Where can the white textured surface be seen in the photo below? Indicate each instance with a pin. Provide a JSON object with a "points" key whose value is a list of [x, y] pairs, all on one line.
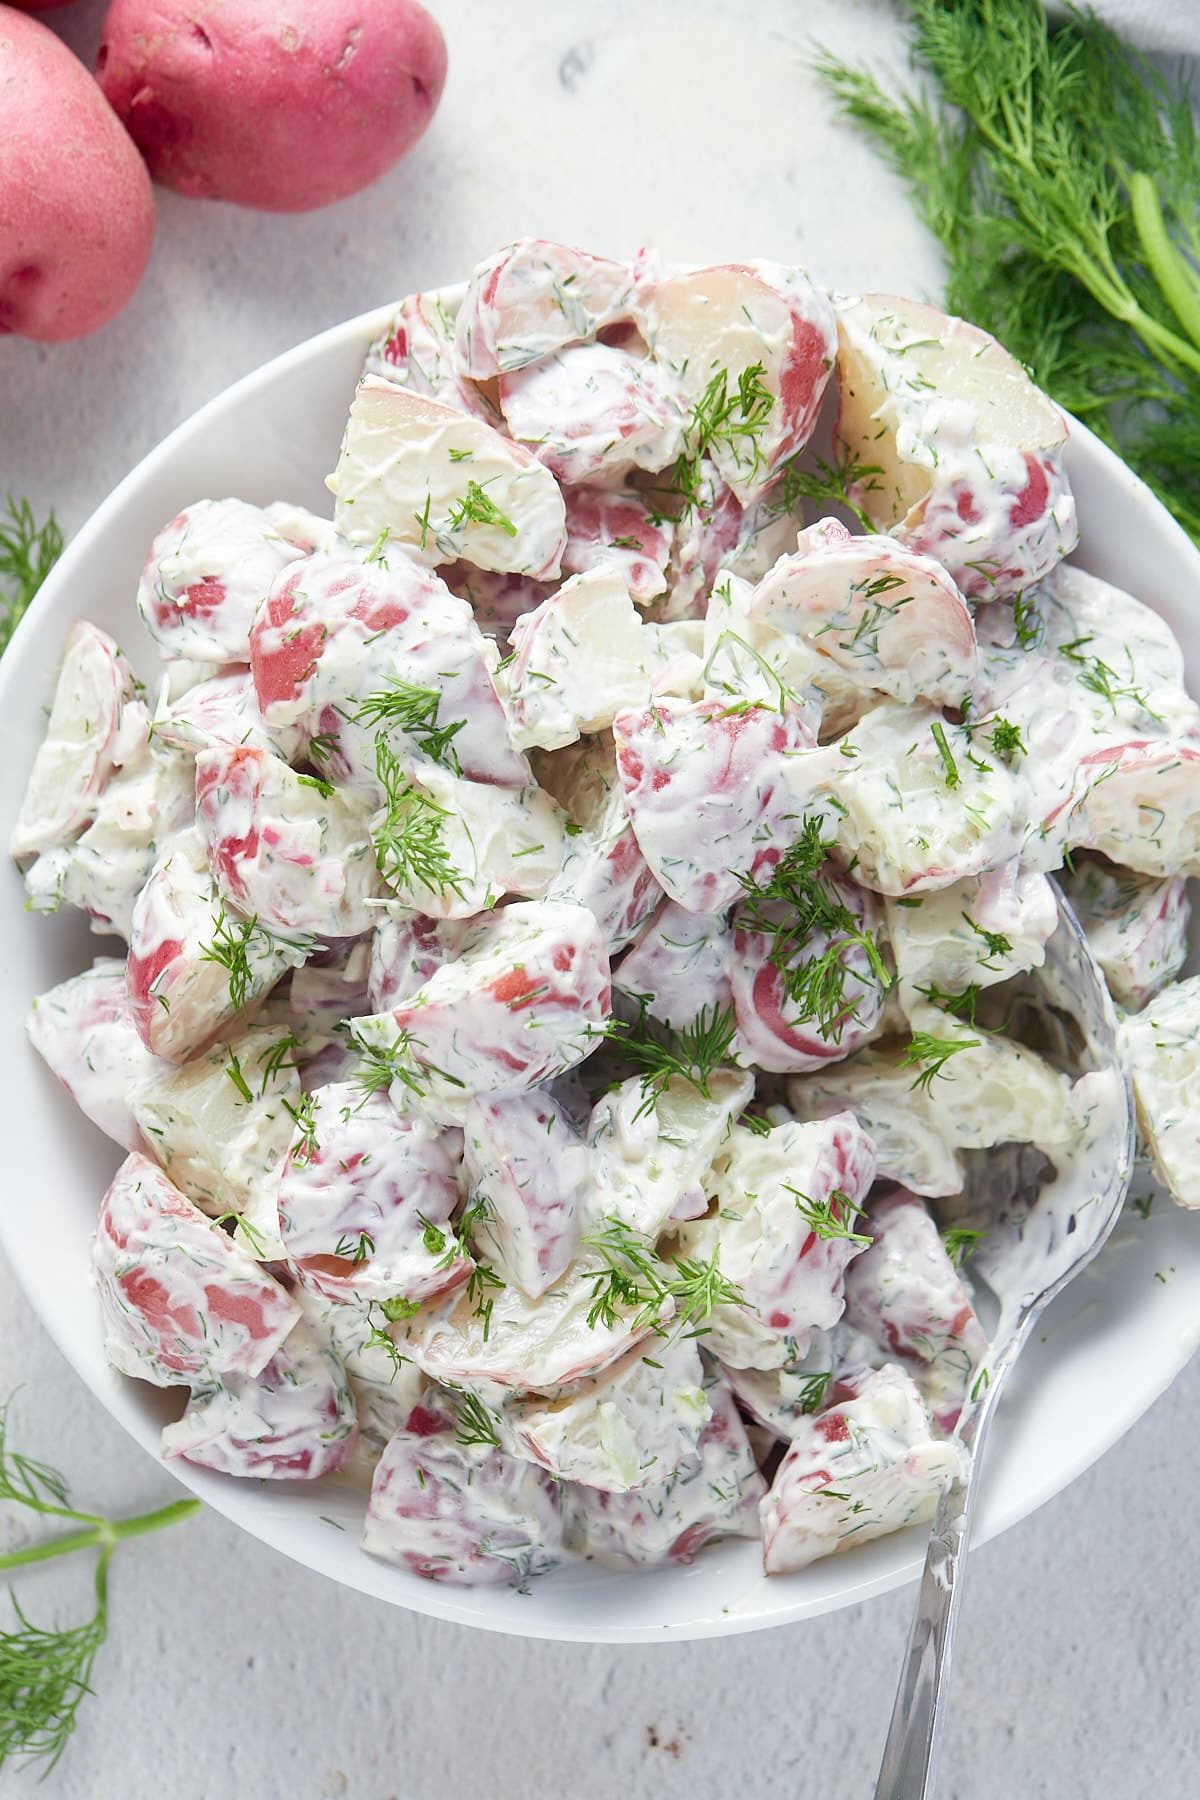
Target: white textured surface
{"points": [[229, 1671]]}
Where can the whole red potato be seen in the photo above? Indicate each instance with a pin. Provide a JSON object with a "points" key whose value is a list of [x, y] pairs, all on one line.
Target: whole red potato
{"points": [[283, 105], [76, 206]]}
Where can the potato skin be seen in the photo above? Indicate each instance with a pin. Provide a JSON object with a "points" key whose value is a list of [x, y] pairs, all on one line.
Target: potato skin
{"points": [[281, 106], [76, 205]]}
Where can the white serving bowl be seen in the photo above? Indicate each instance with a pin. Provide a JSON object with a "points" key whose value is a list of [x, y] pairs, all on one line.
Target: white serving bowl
{"points": [[1105, 1352]]}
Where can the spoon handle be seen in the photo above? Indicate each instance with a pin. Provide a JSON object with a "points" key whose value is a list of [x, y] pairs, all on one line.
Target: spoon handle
{"points": [[910, 1756]]}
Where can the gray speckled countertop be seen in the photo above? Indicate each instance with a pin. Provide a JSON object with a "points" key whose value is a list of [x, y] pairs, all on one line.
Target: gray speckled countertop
{"points": [[232, 1674]]}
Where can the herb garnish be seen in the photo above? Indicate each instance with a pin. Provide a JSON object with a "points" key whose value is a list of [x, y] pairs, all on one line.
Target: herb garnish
{"points": [[45, 1672], [475, 1423], [831, 1217], [476, 507], [304, 1117], [405, 706], [1006, 740], [236, 941], [933, 1054], [826, 484], [960, 1241], [949, 766], [408, 837], [692, 1055], [28, 552], [814, 1389], [686, 1291], [720, 417], [480, 1291], [797, 903], [379, 1065]]}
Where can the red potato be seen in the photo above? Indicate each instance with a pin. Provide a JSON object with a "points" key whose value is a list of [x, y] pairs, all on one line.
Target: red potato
{"points": [[889, 618], [613, 529], [707, 792], [533, 297], [714, 1494], [464, 1515], [773, 1032], [863, 1468], [964, 453], [763, 323], [75, 760], [906, 1294], [179, 997], [365, 1202], [183, 1305], [76, 206], [83, 1029], [293, 1421], [282, 108]]}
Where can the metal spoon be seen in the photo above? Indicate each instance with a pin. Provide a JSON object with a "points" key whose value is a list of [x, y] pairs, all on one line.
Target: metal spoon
{"points": [[1042, 1238]]}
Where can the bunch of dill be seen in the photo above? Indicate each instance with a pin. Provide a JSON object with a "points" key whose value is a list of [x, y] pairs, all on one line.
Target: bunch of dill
{"points": [[1060, 172], [28, 552]]}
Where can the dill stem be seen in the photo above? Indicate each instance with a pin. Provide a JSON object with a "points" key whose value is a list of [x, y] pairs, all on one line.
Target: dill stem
{"points": [[102, 1533], [1173, 274]]}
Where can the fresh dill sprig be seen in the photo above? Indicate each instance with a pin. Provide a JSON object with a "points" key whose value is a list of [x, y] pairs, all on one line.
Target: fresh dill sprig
{"points": [[1059, 169], [379, 1065], [236, 943], [813, 1390], [45, 1671], [1006, 739], [304, 1117], [686, 1291], [996, 942], [321, 747], [476, 507], [692, 1055], [274, 1060], [796, 904], [931, 1054], [233, 1069], [375, 553], [482, 1284], [1028, 624], [698, 1288], [394, 1311], [28, 552], [829, 1218], [412, 709], [960, 1242], [477, 1209], [409, 846], [475, 1423], [251, 1233], [949, 767], [353, 1249], [734, 419], [1098, 678], [825, 484], [959, 1006]]}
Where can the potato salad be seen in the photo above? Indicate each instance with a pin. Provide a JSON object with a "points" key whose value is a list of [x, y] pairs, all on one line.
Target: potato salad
{"points": [[562, 913]]}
